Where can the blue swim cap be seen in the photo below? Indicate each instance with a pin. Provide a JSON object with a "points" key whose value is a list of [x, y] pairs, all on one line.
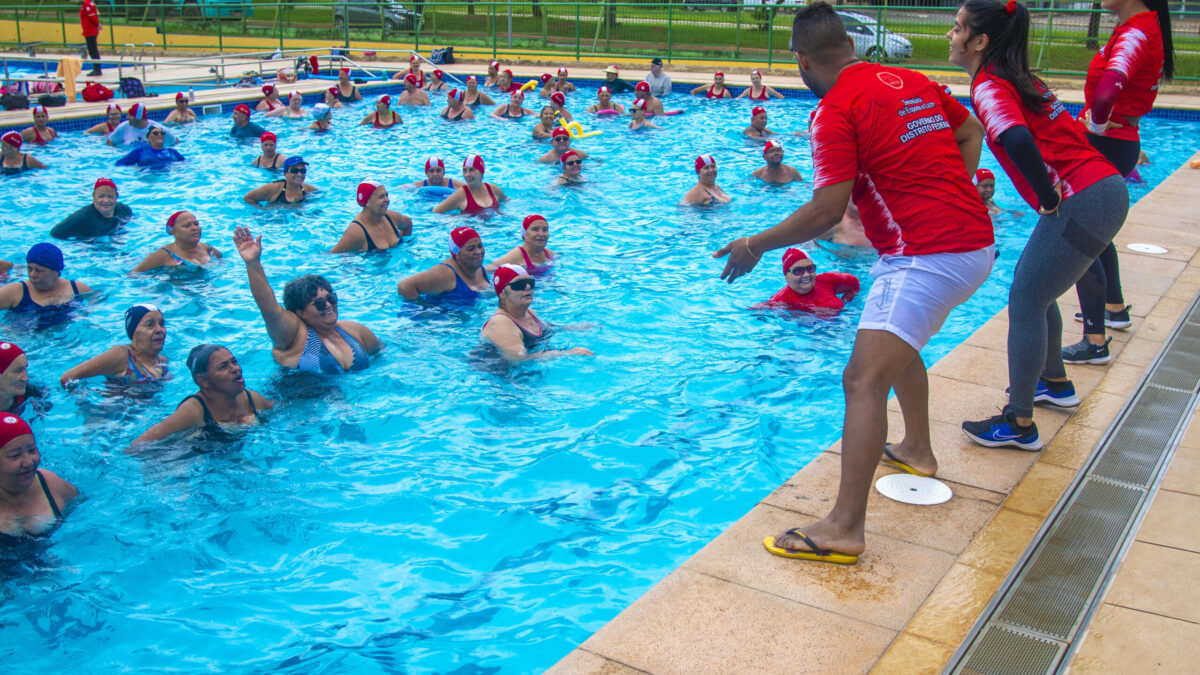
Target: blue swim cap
{"points": [[134, 316], [46, 255], [293, 161]]}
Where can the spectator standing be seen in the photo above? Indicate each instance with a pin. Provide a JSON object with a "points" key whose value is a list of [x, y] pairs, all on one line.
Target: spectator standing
{"points": [[89, 21], [660, 82]]}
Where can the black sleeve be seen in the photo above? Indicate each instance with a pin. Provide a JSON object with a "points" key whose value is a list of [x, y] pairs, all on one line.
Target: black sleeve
{"points": [[1024, 153], [86, 222], [123, 213]]}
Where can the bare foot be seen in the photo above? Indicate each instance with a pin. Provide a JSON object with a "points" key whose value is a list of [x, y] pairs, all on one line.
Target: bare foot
{"points": [[826, 536], [920, 459]]}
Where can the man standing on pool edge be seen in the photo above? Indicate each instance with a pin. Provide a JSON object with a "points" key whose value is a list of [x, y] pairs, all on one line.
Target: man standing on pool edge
{"points": [[919, 148]]}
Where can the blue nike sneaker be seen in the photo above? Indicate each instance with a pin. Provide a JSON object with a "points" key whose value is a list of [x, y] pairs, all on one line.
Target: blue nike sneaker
{"points": [[1059, 394], [1003, 431]]}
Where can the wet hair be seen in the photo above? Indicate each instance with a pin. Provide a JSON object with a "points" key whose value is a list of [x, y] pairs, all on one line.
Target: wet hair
{"points": [[1160, 8], [817, 29], [301, 291], [1007, 51]]}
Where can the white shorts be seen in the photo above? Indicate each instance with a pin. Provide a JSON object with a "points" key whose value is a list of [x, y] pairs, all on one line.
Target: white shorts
{"points": [[911, 295]]}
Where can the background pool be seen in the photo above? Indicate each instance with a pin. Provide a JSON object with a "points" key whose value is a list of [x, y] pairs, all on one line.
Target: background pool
{"points": [[429, 514]]}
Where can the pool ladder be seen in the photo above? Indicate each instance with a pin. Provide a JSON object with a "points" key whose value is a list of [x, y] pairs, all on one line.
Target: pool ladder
{"points": [[139, 57]]}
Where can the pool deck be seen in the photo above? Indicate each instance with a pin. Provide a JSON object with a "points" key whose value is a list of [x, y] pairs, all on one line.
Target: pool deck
{"points": [[928, 572]]}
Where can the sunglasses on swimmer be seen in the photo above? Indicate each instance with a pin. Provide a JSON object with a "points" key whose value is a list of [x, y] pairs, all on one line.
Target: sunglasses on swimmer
{"points": [[572, 162], [522, 284], [319, 304], [801, 270], [298, 169]]}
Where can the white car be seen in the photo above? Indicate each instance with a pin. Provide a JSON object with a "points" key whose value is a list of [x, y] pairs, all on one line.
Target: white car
{"points": [[869, 37]]}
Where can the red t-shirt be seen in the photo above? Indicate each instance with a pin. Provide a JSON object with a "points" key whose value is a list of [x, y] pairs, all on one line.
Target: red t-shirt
{"points": [[89, 18], [891, 131], [823, 299], [1068, 156], [1136, 51]]}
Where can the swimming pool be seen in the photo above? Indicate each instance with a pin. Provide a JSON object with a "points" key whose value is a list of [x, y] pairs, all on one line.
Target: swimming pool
{"points": [[429, 514]]}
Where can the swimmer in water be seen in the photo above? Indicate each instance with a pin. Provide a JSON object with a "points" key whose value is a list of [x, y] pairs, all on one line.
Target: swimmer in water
{"points": [[16, 393], [412, 94], [32, 500], [493, 74], [139, 362], [847, 239], [515, 330], [99, 218], [473, 96], [561, 83], [572, 169], [152, 153], [331, 98], [222, 400], [706, 191], [45, 288], [383, 116], [347, 91], [459, 278], [436, 81], [435, 175], [757, 91], [654, 104], [560, 142], [322, 117], [532, 254], [375, 228], [557, 101], [182, 114], [305, 332], [294, 109], [475, 196], [242, 126], [715, 90], [824, 295], [639, 121], [758, 124], [269, 159], [456, 110], [604, 102], [39, 132], [291, 190], [12, 160], [546, 124], [776, 172], [186, 250], [985, 183], [134, 129], [505, 84], [414, 71], [270, 99], [512, 110], [108, 126]]}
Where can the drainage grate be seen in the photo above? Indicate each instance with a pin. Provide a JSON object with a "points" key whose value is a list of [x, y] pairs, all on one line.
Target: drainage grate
{"points": [[1034, 622]]}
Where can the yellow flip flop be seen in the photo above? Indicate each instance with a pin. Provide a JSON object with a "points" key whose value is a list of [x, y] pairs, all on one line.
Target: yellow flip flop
{"points": [[892, 460], [815, 553]]}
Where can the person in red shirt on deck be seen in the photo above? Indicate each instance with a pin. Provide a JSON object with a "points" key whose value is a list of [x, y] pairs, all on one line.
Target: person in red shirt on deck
{"points": [[89, 21], [822, 294], [1079, 195], [904, 150], [1122, 83]]}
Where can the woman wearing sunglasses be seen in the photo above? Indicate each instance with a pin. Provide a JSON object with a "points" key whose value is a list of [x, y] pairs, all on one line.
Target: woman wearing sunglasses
{"points": [[515, 330], [153, 153], [305, 332], [572, 169], [291, 190], [821, 294]]}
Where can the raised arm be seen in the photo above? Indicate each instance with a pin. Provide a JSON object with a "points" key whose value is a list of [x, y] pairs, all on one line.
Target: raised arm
{"points": [[110, 362], [282, 325]]}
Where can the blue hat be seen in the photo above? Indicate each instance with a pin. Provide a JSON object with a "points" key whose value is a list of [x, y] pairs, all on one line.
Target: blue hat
{"points": [[293, 161], [319, 111], [135, 314], [46, 255]]}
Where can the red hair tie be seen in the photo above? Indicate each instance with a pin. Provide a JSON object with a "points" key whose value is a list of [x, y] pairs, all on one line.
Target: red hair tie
{"points": [[1010, 7]]}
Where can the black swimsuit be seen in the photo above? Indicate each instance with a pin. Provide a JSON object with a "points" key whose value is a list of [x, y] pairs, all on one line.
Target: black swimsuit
{"points": [[508, 112], [273, 161], [371, 244], [347, 99], [211, 425], [282, 198], [13, 170], [49, 497]]}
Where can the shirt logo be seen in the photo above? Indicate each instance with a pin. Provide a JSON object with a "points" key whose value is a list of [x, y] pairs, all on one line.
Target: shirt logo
{"points": [[890, 80]]}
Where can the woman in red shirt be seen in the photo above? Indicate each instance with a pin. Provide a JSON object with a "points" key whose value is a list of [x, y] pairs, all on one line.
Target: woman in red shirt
{"points": [[821, 294]]}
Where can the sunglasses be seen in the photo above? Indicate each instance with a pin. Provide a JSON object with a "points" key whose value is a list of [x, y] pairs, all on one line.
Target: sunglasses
{"points": [[319, 304], [802, 270], [572, 162], [522, 284], [298, 170], [562, 139]]}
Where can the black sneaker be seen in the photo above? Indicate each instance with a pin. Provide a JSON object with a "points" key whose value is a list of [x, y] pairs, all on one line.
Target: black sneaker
{"points": [[1003, 431], [1086, 352], [1118, 320]]}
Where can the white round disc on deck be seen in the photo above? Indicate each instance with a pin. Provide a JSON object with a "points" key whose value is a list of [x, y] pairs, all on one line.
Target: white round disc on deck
{"points": [[1146, 248], [909, 489]]}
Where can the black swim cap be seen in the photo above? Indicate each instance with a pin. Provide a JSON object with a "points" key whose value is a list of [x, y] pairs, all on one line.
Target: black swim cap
{"points": [[197, 360]]}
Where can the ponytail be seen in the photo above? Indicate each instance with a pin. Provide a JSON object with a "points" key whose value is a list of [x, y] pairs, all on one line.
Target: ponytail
{"points": [[1006, 24], [1160, 8]]}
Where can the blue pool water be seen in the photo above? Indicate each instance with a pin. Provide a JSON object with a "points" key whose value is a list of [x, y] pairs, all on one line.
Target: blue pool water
{"points": [[429, 514]]}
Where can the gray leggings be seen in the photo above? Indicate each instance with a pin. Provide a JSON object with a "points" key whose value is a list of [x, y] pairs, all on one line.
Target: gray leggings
{"points": [[1059, 251]]}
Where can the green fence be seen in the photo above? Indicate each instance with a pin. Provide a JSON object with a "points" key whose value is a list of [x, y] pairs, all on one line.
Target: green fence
{"points": [[1062, 40]]}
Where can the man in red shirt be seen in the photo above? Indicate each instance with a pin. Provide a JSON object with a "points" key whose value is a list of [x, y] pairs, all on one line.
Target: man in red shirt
{"points": [[905, 151], [821, 294], [89, 21]]}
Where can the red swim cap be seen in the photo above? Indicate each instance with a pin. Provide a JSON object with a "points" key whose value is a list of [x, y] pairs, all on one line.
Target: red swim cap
{"points": [[413, 58], [562, 70], [474, 161], [365, 190], [757, 109], [718, 74], [434, 160], [559, 98], [242, 108], [437, 72], [12, 427], [472, 78], [267, 89], [411, 79], [567, 155], [344, 70], [8, 353], [770, 146], [385, 99], [531, 219], [173, 218], [40, 109], [703, 161], [101, 182], [508, 72], [495, 64], [504, 275], [455, 95], [13, 138], [755, 72], [546, 77], [604, 89], [137, 111], [791, 257], [180, 96], [559, 131], [640, 103], [984, 174], [266, 136], [334, 90], [642, 86], [459, 237], [112, 107]]}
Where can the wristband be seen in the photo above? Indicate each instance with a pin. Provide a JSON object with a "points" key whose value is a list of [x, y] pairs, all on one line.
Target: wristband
{"points": [[747, 242], [1097, 129]]}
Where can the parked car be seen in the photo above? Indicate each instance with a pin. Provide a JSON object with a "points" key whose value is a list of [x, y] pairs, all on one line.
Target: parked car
{"points": [[188, 9], [870, 38], [392, 16]]}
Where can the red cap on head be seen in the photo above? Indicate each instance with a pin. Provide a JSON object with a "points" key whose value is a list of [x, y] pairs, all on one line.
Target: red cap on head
{"points": [[504, 275], [718, 74], [455, 95], [474, 161], [11, 427], [559, 98], [414, 59], [9, 353], [266, 136], [333, 90], [559, 131], [384, 99], [642, 86], [568, 155], [113, 106], [180, 96], [757, 109], [137, 111], [703, 161], [495, 64], [411, 79], [437, 72], [459, 237], [562, 71], [40, 109], [984, 174], [434, 160], [519, 94], [102, 182], [173, 218], [472, 78], [365, 190], [531, 219], [268, 88], [344, 71], [791, 257], [546, 77], [640, 104], [604, 89], [771, 145], [242, 108], [507, 72], [13, 138], [756, 72]]}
